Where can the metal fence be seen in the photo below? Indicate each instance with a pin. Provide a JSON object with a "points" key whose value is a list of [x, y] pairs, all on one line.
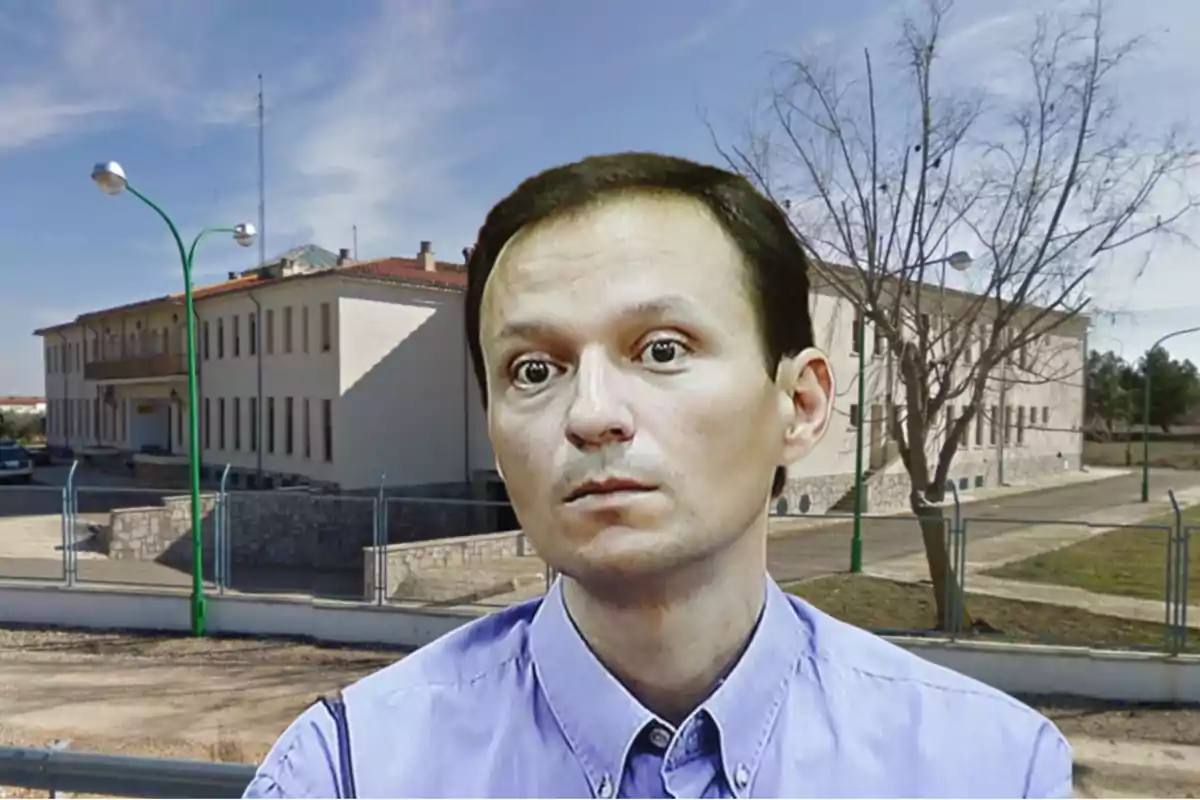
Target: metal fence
{"points": [[382, 548], [59, 770]]}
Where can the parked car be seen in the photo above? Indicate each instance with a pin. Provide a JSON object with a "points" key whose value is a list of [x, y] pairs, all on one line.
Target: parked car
{"points": [[39, 455], [16, 464]]}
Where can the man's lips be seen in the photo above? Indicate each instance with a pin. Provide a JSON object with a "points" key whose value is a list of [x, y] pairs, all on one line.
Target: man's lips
{"points": [[606, 486]]}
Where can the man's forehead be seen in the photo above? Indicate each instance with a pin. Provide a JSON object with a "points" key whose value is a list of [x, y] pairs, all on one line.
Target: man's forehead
{"points": [[623, 234]]}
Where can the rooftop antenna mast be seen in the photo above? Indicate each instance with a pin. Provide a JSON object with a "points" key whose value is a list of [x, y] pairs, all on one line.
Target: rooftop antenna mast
{"points": [[262, 181], [354, 230]]}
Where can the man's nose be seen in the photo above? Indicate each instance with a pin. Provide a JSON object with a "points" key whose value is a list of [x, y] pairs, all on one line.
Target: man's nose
{"points": [[599, 415]]}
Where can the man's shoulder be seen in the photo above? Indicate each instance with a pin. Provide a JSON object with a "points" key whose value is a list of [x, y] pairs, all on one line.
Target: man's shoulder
{"points": [[465, 657], [863, 658], [455, 681], [886, 693]]}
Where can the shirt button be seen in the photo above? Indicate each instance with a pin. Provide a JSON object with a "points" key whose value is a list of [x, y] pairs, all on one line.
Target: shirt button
{"points": [[659, 737], [604, 790], [741, 776]]}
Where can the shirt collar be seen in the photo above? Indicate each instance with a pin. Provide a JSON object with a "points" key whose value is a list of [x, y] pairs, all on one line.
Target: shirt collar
{"points": [[600, 719]]}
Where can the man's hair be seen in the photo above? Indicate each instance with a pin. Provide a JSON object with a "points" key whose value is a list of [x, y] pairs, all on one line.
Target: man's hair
{"points": [[776, 267]]}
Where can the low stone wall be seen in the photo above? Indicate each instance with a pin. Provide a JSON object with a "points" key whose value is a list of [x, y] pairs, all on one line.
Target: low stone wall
{"points": [[403, 560], [888, 492], [290, 529]]}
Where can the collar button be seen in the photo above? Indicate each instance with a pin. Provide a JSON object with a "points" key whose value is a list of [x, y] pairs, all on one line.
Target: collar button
{"points": [[604, 790], [741, 776], [660, 738]]}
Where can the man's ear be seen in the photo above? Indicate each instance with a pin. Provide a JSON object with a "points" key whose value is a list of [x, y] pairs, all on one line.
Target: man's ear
{"points": [[806, 392]]}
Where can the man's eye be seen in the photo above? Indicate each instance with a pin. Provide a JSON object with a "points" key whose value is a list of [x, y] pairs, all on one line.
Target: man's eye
{"points": [[662, 352], [532, 372]]}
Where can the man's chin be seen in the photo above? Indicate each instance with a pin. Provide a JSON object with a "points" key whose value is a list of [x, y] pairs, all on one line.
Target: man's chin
{"points": [[628, 554]]}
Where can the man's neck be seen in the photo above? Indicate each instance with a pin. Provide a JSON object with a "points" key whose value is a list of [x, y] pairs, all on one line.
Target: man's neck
{"points": [[671, 648]]}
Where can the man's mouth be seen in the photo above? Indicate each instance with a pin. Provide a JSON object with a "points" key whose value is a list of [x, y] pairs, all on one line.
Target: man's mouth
{"points": [[607, 487]]}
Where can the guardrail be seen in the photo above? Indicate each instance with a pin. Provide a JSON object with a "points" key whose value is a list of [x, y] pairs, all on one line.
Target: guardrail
{"points": [[120, 776]]}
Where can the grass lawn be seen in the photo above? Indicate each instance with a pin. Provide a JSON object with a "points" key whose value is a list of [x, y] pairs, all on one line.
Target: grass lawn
{"points": [[1129, 561], [887, 606], [1176, 455]]}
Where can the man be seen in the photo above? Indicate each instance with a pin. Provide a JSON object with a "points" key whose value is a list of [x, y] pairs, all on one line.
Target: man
{"points": [[640, 327]]}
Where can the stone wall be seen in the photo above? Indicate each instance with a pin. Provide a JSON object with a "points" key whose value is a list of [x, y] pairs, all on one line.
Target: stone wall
{"points": [[888, 492], [401, 561], [292, 529]]}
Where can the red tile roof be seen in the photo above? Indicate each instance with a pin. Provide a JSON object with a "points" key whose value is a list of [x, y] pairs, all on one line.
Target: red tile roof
{"points": [[390, 270], [17, 400]]}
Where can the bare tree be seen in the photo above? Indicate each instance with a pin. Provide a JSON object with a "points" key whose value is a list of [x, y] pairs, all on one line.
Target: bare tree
{"points": [[1038, 184]]}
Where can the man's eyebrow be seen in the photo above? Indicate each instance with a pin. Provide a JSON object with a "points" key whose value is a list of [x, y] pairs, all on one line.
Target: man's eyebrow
{"points": [[657, 308]]}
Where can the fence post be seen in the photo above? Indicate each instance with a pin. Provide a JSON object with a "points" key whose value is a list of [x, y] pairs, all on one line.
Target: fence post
{"points": [[381, 542], [955, 601], [221, 534], [71, 505], [1176, 573]]}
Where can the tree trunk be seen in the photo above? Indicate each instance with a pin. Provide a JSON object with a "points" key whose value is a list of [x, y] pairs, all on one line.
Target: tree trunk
{"points": [[935, 529]]}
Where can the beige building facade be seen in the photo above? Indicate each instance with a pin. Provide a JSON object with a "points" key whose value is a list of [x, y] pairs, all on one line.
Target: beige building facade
{"points": [[353, 375]]}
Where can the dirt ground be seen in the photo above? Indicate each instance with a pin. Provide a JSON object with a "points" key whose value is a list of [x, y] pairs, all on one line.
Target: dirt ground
{"points": [[228, 699], [216, 699]]}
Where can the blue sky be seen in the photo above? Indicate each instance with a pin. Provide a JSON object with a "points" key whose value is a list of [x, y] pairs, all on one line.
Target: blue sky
{"points": [[410, 119]]}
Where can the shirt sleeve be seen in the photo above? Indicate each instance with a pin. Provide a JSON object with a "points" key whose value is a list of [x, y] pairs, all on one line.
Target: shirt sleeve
{"points": [[1051, 771], [302, 761]]}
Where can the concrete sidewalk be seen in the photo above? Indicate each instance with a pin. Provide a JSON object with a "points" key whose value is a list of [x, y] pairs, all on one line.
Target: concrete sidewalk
{"points": [[984, 554]]}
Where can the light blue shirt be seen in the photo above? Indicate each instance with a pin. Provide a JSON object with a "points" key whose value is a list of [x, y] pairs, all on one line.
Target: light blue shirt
{"points": [[516, 705]]}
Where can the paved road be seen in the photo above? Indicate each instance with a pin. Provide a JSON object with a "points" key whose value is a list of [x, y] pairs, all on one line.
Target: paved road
{"points": [[826, 549]]}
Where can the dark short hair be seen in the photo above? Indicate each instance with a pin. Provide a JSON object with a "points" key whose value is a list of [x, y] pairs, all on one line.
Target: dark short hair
{"points": [[777, 268]]}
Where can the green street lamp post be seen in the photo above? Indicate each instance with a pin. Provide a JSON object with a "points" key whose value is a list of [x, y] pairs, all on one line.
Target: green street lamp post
{"points": [[959, 261], [110, 177], [1146, 413]]}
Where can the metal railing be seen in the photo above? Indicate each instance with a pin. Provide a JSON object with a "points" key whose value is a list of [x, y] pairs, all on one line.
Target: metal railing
{"points": [[60, 770], [362, 548]]}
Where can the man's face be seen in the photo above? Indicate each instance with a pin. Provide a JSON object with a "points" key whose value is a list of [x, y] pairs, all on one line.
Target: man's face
{"points": [[630, 410]]}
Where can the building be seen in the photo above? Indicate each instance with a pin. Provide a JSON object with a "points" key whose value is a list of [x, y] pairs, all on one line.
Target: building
{"points": [[312, 369], [1030, 426], [14, 404], [317, 369]]}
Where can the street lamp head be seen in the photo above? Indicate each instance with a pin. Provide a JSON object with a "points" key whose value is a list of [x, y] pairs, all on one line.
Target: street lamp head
{"points": [[960, 260], [109, 176], [244, 234]]}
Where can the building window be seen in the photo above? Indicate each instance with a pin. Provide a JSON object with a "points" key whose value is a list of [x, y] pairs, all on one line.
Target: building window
{"points": [[327, 428], [1032, 416], [220, 337], [304, 328], [979, 428], [207, 425], [237, 423], [307, 428], [995, 420], [252, 331], [237, 336], [289, 426], [1020, 424], [950, 418], [253, 424], [856, 336], [270, 331], [326, 329], [287, 329], [270, 424], [854, 415], [221, 423], [206, 340], [1045, 416], [1008, 424], [179, 425]]}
